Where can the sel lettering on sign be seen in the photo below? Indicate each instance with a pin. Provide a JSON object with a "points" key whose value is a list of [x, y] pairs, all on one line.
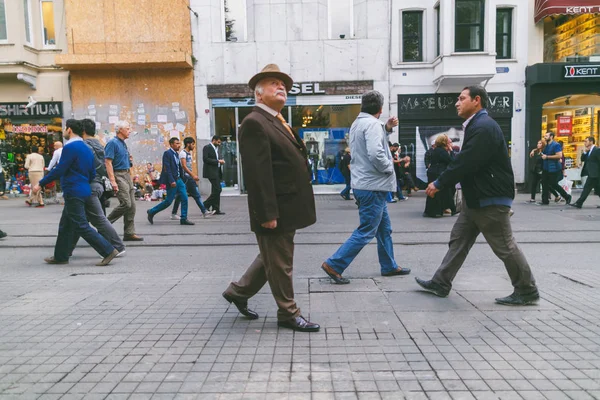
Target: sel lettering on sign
{"points": [[306, 88]]}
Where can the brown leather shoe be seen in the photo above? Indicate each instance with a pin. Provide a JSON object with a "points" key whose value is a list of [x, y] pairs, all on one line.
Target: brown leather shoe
{"points": [[337, 278], [241, 305], [132, 238], [299, 324], [51, 260]]}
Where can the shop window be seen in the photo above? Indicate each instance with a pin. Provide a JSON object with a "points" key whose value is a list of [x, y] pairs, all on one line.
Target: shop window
{"points": [[225, 127], [3, 28], [570, 38], [27, 15], [48, 32], [340, 17], [504, 33], [412, 36], [438, 27], [235, 20], [469, 27]]}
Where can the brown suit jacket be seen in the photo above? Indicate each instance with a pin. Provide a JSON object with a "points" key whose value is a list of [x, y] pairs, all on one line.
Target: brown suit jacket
{"points": [[276, 175]]}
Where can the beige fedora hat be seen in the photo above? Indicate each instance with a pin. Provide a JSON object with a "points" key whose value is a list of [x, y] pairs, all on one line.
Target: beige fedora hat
{"points": [[271, 70]]}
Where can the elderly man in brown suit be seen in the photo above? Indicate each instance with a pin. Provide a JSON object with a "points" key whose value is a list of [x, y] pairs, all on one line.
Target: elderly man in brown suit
{"points": [[280, 199]]}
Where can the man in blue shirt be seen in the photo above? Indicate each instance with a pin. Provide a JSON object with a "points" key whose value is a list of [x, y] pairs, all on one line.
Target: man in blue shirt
{"points": [[118, 162], [171, 176], [552, 170], [76, 171]]}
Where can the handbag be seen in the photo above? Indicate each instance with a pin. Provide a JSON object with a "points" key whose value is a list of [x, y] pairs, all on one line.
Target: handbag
{"points": [[107, 186]]}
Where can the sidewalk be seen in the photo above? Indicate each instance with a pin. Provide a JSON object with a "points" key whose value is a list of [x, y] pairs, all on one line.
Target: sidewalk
{"points": [[153, 324]]}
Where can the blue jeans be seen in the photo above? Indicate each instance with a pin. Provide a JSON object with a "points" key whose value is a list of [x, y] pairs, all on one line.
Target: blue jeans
{"points": [[374, 222], [346, 192], [178, 190], [74, 222], [192, 190]]}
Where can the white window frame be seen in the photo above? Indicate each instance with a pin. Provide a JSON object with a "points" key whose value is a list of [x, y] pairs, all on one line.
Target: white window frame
{"points": [[5, 19], [29, 26], [223, 34], [351, 33], [44, 45]]}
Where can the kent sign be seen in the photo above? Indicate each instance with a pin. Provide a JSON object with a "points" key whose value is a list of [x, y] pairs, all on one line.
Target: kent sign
{"points": [[582, 71], [583, 9]]}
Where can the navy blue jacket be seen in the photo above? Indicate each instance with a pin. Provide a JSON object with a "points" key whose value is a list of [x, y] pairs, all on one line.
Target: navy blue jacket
{"points": [[483, 166], [75, 170], [170, 167]]}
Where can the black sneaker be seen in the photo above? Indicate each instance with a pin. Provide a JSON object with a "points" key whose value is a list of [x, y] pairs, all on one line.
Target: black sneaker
{"points": [[432, 287], [568, 199], [2, 234], [575, 205], [150, 217], [517, 299]]}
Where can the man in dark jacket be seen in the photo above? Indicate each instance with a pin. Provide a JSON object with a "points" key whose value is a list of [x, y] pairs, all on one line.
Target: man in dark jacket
{"points": [[211, 170], [591, 168], [484, 171], [280, 199], [345, 170]]}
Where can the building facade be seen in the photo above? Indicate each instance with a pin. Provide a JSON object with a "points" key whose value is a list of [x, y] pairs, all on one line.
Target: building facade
{"points": [[563, 77], [132, 60], [34, 91]]}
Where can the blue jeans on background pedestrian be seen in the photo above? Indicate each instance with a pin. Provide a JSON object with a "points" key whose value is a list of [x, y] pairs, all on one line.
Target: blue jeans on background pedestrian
{"points": [[374, 222], [178, 190], [192, 190], [73, 221], [399, 184], [346, 192]]}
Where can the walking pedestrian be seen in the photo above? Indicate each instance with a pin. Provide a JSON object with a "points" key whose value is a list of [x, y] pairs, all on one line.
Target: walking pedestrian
{"points": [[118, 163], [58, 146], [439, 160], [591, 168], [398, 171], [94, 208], [535, 169], [345, 161], [211, 170], [35, 164], [76, 171], [280, 199], [172, 177], [552, 170], [373, 178], [485, 173], [190, 179]]}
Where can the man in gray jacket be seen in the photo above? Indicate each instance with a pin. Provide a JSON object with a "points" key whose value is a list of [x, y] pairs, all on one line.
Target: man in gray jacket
{"points": [[372, 177], [94, 210]]}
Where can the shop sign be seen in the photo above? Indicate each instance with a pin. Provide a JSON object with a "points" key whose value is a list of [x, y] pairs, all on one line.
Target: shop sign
{"points": [[441, 106], [306, 88], [564, 125], [582, 71], [30, 129], [20, 110]]}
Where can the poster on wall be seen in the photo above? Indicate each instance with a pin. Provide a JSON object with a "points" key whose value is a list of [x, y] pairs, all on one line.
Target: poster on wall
{"points": [[564, 125], [425, 137]]}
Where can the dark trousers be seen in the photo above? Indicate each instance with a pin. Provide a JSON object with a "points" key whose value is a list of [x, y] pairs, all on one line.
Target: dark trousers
{"points": [[494, 223], [74, 222], [408, 181], [178, 190], [214, 200], [550, 182], [346, 192], [590, 183], [192, 190], [95, 213], [274, 264], [535, 180]]}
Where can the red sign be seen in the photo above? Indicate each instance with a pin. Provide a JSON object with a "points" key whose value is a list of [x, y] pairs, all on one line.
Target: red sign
{"points": [[544, 8], [564, 125]]}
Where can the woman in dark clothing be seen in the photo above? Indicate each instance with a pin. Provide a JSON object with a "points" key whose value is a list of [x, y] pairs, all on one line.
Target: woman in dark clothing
{"points": [[535, 169], [345, 170], [440, 159]]}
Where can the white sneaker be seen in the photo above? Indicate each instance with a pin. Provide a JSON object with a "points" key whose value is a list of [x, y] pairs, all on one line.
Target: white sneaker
{"points": [[209, 213], [121, 253], [175, 217]]}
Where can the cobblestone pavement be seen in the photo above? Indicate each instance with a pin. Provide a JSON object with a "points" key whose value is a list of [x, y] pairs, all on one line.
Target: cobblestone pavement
{"points": [[153, 325]]}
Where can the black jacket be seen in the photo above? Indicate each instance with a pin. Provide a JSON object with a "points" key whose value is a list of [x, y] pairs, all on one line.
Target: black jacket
{"points": [[344, 163], [536, 163], [211, 169], [591, 167], [99, 164], [482, 167], [439, 161]]}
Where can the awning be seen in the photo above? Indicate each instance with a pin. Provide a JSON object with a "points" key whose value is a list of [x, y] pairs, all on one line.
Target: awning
{"points": [[544, 8]]}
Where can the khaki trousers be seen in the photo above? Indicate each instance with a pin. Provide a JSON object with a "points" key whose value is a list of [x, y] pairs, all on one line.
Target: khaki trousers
{"points": [[274, 264], [494, 223], [34, 178], [126, 207]]}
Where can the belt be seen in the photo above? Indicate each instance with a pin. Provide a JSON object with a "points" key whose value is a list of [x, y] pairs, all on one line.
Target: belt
{"points": [[121, 170]]}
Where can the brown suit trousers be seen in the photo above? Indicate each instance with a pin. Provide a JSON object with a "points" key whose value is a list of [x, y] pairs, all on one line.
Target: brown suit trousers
{"points": [[494, 223], [274, 264]]}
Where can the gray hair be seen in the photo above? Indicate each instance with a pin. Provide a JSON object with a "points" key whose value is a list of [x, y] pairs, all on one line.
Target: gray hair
{"points": [[121, 124], [372, 102], [258, 89]]}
